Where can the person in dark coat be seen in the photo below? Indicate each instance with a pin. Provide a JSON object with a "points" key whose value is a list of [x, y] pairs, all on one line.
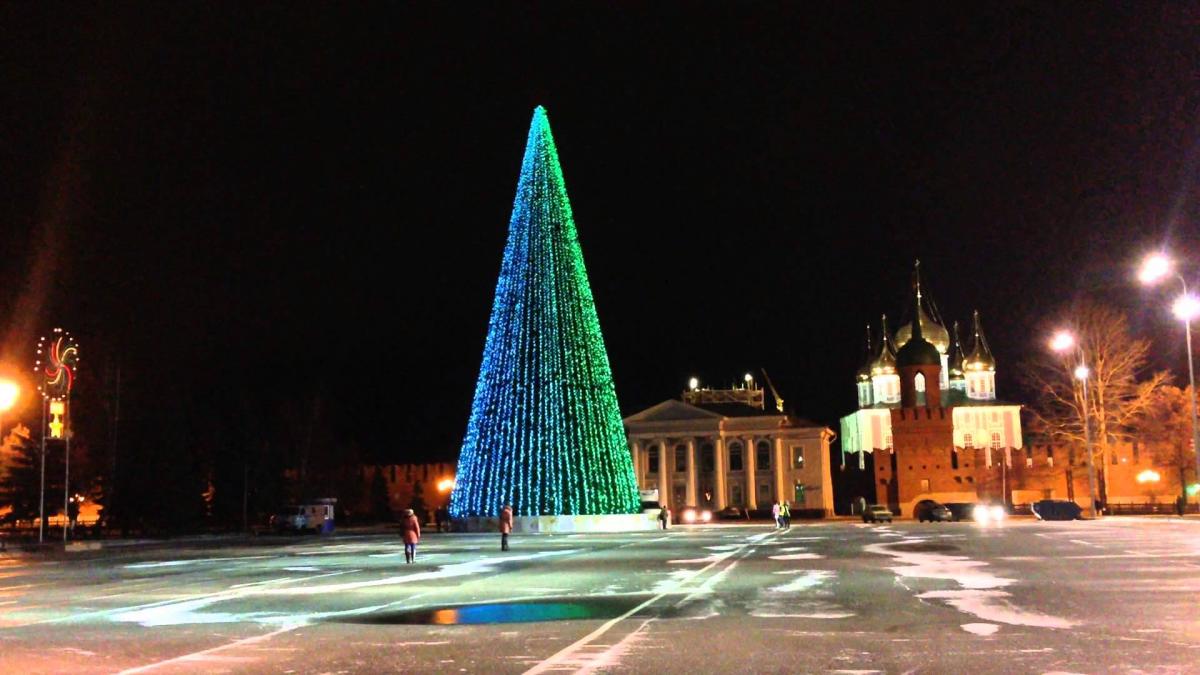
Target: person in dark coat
{"points": [[410, 529], [506, 525], [664, 516]]}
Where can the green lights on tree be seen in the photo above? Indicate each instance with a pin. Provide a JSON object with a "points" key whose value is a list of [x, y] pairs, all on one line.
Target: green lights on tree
{"points": [[545, 432]]}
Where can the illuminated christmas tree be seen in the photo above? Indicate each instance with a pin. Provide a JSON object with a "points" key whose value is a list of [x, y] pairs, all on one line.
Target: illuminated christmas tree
{"points": [[545, 432]]}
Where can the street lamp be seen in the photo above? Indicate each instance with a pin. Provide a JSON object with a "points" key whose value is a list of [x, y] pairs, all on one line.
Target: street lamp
{"points": [[1186, 307], [1062, 342]]}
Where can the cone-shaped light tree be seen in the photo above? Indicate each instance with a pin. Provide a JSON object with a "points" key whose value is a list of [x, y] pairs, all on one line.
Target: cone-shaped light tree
{"points": [[545, 432]]}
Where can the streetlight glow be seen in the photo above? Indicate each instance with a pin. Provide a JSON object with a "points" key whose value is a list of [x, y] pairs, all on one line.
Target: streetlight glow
{"points": [[693, 384], [445, 485], [1062, 341], [1154, 267], [1186, 307], [1081, 372], [9, 391]]}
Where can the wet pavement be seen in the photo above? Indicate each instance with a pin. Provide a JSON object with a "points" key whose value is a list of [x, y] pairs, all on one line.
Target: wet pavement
{"points": [[1119, 595]]}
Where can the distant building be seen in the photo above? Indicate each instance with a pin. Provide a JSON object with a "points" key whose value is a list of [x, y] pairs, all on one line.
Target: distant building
{"points": [[718, 448], [928, 412], [955, 441]]}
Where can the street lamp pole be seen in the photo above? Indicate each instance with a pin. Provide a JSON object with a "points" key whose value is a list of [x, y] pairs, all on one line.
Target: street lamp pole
{"points": [[1187, 307], [1062, 342], [1087, 435]]}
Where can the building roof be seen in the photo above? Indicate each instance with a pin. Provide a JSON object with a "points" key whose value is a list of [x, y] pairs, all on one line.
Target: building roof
{"points": [[926, 314], [864, 371], [980, 357], [885, 360], [918, 351], [955, 365]]}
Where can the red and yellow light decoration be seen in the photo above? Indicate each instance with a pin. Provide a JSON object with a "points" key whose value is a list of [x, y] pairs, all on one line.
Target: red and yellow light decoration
{"points": [[57, 364]]}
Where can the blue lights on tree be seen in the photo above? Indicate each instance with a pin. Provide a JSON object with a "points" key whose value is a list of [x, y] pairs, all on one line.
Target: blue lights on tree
{"points": [[545, 431]]}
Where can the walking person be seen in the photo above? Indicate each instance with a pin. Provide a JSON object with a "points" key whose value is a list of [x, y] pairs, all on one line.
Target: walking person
{"points": [[785, 515], [506, 525], [775, 513], [410, 528], [664, 516]]}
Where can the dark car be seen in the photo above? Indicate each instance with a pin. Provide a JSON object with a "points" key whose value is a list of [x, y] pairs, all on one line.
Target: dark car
{"points": [[960, 510], [877, 513], [1056, 509], [927, 509]]}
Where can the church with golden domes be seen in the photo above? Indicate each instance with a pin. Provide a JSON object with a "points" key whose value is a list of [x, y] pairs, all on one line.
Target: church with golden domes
{"points": [[928, 413]]}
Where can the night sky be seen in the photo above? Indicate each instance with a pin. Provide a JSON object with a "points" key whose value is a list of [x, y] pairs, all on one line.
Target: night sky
{"points": [[273, 203]]}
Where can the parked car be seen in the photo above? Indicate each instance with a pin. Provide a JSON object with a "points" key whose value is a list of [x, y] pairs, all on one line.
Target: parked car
{"points": [[877, 513], [1057, 509], [928, 509], [960, 510], [312, 517]]}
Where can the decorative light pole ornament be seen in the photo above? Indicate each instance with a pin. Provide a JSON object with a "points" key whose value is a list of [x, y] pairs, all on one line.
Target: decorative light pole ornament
{"points": [[56, 364]]}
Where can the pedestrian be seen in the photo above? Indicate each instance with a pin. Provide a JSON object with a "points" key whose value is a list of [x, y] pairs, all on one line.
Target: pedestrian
{"points": [[410, 528], [664, 516], [775, 511], [862, 505], [506, 525], [785, 515], [1180, 505]]}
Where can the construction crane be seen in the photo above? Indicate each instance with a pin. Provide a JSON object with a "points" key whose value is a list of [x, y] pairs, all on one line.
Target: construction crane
{"points": [[778, 401]]}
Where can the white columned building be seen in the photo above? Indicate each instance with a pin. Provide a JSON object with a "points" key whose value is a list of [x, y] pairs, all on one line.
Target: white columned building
{"points": [[730, 454]]}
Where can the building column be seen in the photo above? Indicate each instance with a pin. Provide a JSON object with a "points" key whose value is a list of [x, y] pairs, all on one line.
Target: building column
{"points": [[664, 474], [720, 462], [751, 479], [691, 471], [639, 470], [782, 469]]}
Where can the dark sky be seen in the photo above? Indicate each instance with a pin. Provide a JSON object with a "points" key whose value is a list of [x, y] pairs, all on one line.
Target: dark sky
{"points": [[288, 199]]}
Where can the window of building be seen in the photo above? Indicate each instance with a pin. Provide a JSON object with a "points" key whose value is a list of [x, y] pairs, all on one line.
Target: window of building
{"points": [[798, 457], [681, 459], [887, 440], [762, 456], [652, 460], [1136, 452], [764, 494], [708, 458], [953, 458], [735, 456], [968, 442], [1116, 459], [735, 495], [924, 485], [995, 441]]}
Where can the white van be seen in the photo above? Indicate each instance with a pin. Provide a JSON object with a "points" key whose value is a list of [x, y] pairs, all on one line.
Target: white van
{"points": [[314, 517]]}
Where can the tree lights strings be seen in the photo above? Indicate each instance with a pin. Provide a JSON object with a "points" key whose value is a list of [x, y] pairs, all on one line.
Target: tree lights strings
{"points": [[545, 431]]}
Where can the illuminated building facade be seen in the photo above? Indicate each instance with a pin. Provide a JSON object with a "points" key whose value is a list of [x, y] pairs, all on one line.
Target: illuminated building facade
{"points": [[719, 448]]}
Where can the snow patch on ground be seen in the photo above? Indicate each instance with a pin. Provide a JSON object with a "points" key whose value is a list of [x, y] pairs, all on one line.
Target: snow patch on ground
{"points": [[810, 579], [694, 561], [994, 606], [811, 615], [980, 628], [979, 594], [798, 556]]}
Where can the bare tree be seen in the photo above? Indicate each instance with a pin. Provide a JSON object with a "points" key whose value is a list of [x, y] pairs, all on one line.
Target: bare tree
{"points": [[1167, 425], [1117, 398]]}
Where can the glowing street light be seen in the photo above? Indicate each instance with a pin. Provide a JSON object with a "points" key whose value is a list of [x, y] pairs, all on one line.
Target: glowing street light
{"points": [[1062, 342], [693, 384], [9, 392], [1186, 307], [1154, 267], [446, 485]]}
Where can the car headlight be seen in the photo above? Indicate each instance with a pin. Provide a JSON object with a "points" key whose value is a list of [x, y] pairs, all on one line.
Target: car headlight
{"points": [[689, 516], [997, 513], [981, 513], [706, 516]]}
